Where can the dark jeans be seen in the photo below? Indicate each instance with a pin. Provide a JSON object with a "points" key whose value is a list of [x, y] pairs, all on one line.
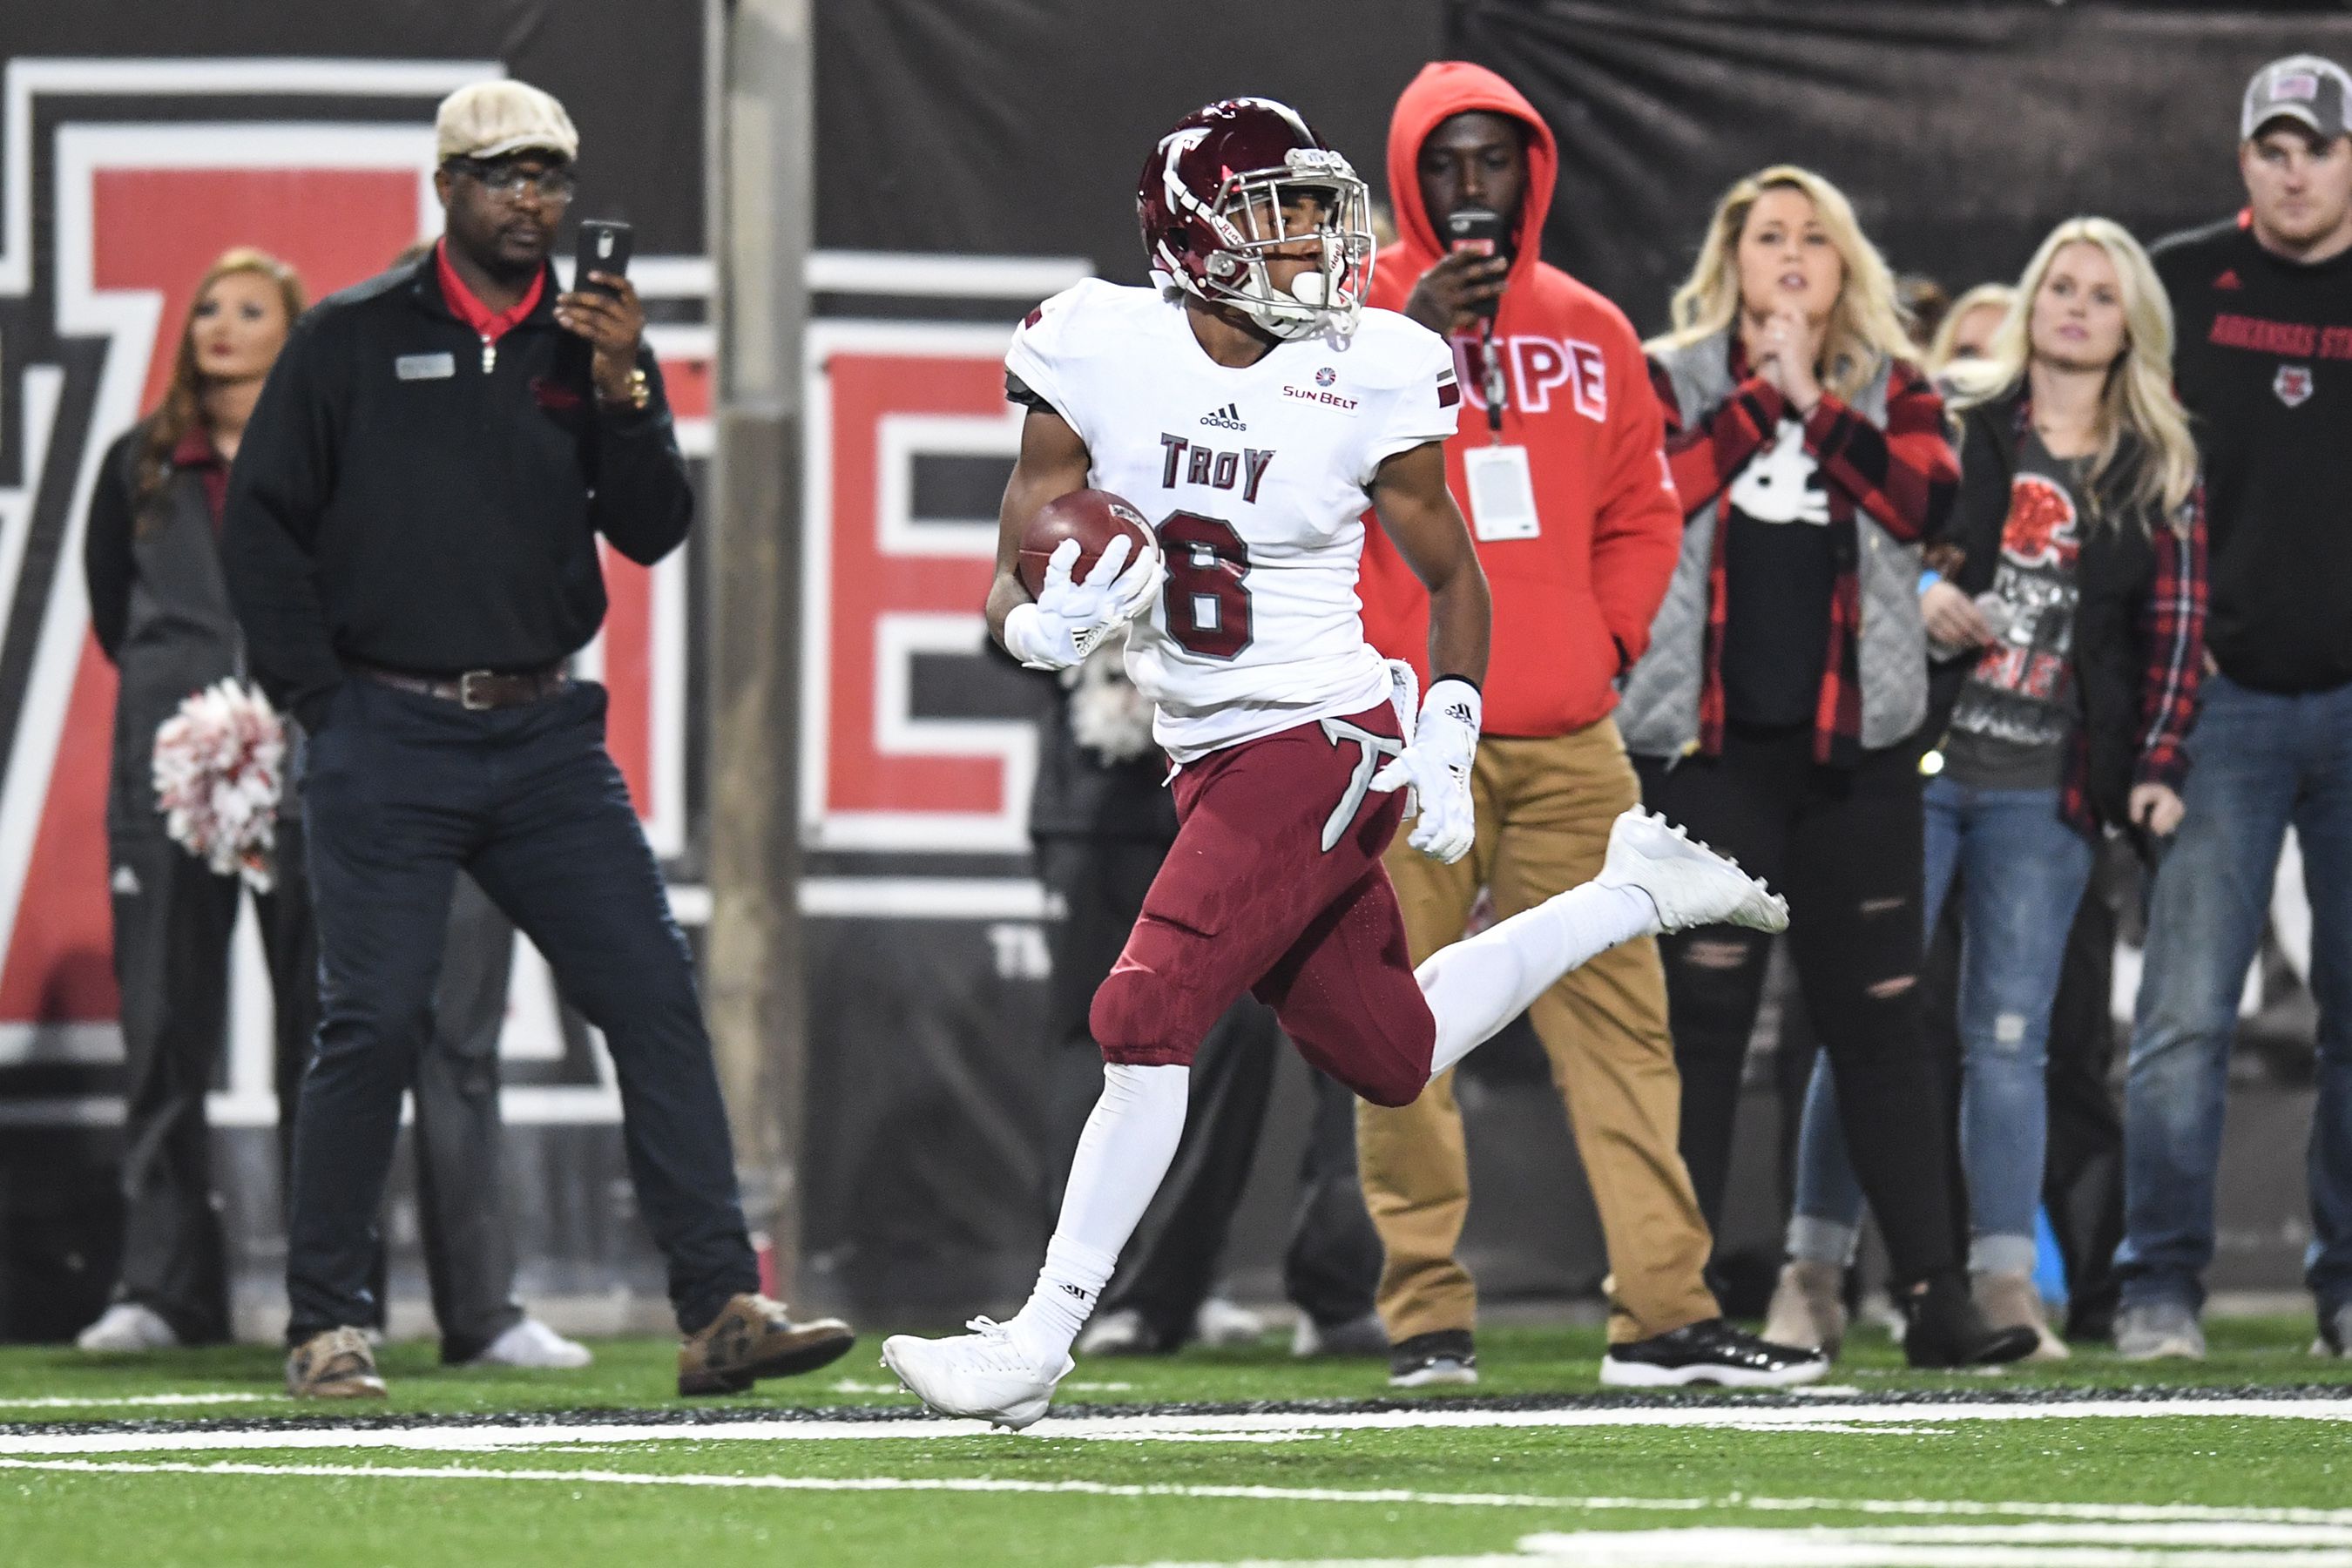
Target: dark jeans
{"points": [[172, 922], [1845, 847], [402, 792], [2083, 1178], [1333, 1261], [2263, 762], [469, 1248]]}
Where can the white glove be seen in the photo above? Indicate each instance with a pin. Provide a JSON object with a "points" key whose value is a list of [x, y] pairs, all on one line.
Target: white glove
{"points": [[1062, 624], [1436, 765]]}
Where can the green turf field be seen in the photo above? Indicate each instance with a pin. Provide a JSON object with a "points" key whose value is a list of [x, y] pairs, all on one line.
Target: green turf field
{"points": [[1209, 1458]]}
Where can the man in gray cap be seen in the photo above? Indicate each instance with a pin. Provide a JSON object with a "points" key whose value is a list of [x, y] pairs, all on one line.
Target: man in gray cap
{"points": [[2263, 308], [410, 544]]}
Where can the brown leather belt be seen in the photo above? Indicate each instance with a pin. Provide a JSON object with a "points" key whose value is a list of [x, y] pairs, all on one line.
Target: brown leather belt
{"points": [[477, 691]]}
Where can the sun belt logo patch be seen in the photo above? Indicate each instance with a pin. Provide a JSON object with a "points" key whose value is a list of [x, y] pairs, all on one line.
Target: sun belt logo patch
{"points": [[2292, 383]]}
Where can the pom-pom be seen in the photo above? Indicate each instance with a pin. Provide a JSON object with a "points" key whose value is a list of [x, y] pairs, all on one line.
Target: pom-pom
{"points": [[219, 768], [1108, 715]]}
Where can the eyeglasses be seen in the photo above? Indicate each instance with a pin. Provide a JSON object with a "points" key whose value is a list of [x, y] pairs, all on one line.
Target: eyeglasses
{"points": [[507, 180]]}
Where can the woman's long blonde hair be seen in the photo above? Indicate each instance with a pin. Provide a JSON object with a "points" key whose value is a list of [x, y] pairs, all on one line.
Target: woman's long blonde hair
{"points": [[1865, 325], [182, 408], [2138, 397]]}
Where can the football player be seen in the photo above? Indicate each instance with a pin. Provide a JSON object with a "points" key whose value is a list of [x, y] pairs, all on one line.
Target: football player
{"points": [[1251, 407]]}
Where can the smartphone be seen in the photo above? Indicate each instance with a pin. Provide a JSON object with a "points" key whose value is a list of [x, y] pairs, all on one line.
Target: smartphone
{"points": [[1480, 231], [604, 246]]}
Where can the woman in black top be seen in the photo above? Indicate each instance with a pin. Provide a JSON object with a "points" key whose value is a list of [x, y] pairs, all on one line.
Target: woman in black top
{"points": [[160, 612], [2070, 631]]}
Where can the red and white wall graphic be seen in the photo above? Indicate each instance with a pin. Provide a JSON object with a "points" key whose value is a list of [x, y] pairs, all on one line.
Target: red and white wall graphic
{"points": [[881, 587], [138, 207]]}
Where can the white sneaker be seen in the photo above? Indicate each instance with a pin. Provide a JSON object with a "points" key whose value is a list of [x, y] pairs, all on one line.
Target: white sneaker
{"points": [[533, 1344], [2160, 1331], [980, 1373], [1690, 884], [128, 1326], [1123, 1332], [1224, 1324]]}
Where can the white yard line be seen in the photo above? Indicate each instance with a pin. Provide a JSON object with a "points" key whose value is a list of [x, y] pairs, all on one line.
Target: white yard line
{"points": [[1910, 1419], [801, 1483], [1960, 1547]]}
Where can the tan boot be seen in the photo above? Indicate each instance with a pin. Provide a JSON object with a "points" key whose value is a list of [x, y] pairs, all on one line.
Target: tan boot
{"points": [[1808, 1308], [752, 1338], [337, 1364], [2010, 1301]]}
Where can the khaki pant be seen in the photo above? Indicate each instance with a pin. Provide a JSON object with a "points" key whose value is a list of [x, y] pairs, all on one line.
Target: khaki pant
{"points": [[1544, 812]]}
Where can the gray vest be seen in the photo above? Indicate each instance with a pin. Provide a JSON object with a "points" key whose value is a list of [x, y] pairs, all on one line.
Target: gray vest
{"points": [[182, 634], [1659, 712]]}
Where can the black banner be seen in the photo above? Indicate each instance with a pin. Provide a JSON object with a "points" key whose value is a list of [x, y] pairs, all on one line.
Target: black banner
{"points": [[1962, 131]]}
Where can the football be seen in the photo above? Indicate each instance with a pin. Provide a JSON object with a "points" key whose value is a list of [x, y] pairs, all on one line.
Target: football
{"points": [[1093, 518]]}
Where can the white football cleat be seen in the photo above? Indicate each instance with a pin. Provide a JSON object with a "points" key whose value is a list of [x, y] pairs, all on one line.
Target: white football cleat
{"points": [[980, 1373], [532, 1345], [1690, 884], [128, 1326]]}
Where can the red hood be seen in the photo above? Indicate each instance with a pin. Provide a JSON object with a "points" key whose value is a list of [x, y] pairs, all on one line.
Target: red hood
{"points": [[1442, 90]]}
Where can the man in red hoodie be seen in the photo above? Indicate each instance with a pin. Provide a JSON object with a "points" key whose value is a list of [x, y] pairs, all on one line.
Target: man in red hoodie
{"points": [[1558, 464]]}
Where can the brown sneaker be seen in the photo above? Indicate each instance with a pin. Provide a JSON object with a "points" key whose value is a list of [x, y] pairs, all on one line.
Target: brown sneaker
{"points": [[337, 1364], [752, 1338]]}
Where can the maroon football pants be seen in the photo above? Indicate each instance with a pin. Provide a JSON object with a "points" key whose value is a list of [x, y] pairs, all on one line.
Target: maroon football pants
{"points": [[1274, 886]]}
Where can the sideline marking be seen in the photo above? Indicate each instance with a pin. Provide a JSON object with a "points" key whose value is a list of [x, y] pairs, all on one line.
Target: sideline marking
{"points": [[1826, 1548], [825, 1483], [1950, 1546], [1908, 1419]]}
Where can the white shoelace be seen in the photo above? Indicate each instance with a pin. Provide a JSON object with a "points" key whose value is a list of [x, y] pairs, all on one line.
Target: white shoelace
{"points": [[998, 1352]]}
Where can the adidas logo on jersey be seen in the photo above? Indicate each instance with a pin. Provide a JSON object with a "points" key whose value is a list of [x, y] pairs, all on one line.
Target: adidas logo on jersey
{"points": [[1229, 417]]}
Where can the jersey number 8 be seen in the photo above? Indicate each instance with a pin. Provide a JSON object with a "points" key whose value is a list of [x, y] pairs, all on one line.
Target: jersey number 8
{"points": [[1208, 603]]}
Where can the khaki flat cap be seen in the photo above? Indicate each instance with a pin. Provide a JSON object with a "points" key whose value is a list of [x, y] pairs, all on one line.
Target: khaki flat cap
{"points": [[492, 118]]}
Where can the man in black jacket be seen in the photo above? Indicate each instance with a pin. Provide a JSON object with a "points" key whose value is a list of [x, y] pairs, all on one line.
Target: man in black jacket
{"points": [[2263, 305], [410, 546]]}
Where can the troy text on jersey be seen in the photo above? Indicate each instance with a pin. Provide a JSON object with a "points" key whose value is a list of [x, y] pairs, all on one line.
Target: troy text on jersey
{"points": [[1206, 466]]}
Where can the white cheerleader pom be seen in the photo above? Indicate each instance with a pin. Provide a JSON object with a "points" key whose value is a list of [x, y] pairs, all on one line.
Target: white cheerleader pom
{"points": [[218, 770]]}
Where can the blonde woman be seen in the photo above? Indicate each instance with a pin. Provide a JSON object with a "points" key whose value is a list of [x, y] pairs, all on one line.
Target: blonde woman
{"points": [[2080, 602], [1778, 711], [1968, 328]]}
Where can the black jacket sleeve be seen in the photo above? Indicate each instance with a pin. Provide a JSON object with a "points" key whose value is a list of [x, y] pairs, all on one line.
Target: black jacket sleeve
{"points": [[1988, 461], [280, 485], [106, 560], [642, 502]]}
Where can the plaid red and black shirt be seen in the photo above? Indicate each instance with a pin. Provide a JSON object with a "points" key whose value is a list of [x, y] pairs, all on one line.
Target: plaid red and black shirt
{"points": [[1903, 476]]}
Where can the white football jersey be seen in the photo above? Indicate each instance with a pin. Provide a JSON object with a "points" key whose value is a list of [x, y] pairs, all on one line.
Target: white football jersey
{"points": [[1255, 481]]}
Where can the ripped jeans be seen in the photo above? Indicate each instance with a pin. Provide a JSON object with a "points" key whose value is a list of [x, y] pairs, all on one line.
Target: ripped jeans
{"points": [[1844, 845], [2021, 873]]}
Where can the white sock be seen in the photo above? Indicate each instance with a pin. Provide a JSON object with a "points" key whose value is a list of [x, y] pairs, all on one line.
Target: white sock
{"points": [[1482, 983], [1125, 1151]]}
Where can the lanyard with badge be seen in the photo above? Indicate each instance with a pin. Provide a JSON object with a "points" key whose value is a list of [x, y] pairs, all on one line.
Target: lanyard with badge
{"points": [[1502, 490]]}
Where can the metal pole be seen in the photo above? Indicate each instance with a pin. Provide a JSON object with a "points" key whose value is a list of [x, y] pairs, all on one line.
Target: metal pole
{"points": [[761, 195]]}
